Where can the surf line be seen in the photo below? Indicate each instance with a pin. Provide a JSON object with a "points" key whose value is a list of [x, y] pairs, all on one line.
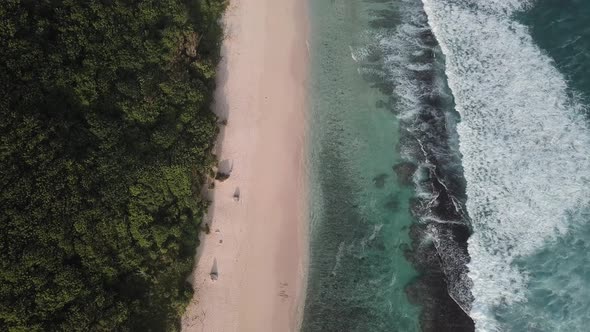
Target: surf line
{"points": [[524, 141]]}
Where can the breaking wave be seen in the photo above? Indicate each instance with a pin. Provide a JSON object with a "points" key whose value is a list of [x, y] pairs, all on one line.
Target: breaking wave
{"points": [[524, 142]]}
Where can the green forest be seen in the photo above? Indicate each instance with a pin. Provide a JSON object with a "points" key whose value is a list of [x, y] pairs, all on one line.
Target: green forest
{"points": [[106, 138]]}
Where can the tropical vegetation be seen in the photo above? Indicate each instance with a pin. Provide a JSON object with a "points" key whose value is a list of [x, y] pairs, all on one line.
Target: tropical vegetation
{"points": [[106, 138]]}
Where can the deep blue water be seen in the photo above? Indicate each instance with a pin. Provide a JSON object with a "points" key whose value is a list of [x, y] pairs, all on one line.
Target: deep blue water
{"points": [[561, 29]]}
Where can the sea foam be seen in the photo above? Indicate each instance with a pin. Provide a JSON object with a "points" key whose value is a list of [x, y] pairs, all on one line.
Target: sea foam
{"points": [[413, 64], [524, 142]]}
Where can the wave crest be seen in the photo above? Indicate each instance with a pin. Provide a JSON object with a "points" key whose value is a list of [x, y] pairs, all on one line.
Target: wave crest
{"points": [[524, 142]]}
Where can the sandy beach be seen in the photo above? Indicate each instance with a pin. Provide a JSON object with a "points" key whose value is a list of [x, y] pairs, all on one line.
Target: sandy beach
{"points": [[257, 245]]}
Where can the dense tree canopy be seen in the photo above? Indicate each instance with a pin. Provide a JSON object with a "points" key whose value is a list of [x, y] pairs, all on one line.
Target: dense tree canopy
{"points": [[105, 138]]}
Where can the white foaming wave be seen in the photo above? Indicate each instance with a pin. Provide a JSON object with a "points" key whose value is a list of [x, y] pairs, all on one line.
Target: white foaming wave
{"points": [[506, 7], [400, 50], [408, 93], [406, 153], [376, 230], [525, 144], [359, 54], [418, 67]]}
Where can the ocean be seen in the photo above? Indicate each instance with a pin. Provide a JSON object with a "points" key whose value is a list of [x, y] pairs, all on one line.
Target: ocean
{"points": [[449, 165]]}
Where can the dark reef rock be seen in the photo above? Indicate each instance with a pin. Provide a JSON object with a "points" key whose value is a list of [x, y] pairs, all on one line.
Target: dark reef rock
{"points": [[440, 313], [379, 180], [405, 171]]}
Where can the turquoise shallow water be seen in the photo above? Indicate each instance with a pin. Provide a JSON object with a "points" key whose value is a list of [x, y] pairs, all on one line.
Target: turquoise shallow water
{"points": [[360, 212]]}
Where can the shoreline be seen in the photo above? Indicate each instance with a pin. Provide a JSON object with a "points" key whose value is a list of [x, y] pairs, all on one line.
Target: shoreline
{"points": [[257, 245]]}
